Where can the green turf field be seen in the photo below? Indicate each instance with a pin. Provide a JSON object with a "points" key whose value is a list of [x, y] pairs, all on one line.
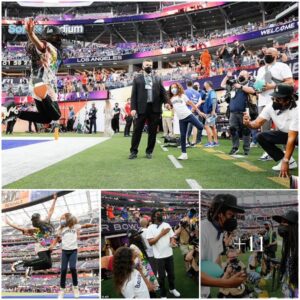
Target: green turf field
{"points": [[276, 293], [186, 286], [107, 166]]}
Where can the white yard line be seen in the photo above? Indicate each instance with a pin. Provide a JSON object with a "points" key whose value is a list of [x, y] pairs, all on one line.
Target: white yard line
{"points": [[175, 162], [20, 162], [193, 184], [164, 148], [158, 141]]}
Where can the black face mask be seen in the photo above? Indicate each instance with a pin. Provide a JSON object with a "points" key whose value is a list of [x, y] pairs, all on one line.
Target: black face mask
{"points": [[277, 106], [242, 79], [148, 70], [230, 225], [269, 58], [283, 231]]}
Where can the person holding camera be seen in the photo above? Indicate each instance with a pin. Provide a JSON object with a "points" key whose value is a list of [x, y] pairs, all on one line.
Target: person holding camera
{"points": [[93, 118], [185, 232], [238, 96], [192, 258], [283, 111], [221, 217]]}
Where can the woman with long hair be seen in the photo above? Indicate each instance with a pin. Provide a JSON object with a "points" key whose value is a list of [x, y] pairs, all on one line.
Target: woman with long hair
{"points": [[68, 234], [128, 276], [180, 102], [288, 230], [136, 243], [43, 233]]}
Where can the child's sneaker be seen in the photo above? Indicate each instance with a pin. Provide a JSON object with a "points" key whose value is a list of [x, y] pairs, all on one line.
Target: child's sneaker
{"points": [[76, 291]]}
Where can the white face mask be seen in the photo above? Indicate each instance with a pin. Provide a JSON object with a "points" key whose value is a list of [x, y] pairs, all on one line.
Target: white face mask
{"points": [[136, 261]]}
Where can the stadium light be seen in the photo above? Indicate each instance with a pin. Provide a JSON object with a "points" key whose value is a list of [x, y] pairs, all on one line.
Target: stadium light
{"points": [[54, 3]]}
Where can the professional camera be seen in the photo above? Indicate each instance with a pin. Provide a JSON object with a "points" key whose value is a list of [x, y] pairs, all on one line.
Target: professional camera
{"points": [[231, 81], [234, 264]]}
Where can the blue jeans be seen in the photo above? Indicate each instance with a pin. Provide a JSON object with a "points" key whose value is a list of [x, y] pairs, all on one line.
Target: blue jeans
{"points": [[254, 133], [183, 125], [190, 128], [68, 257]]}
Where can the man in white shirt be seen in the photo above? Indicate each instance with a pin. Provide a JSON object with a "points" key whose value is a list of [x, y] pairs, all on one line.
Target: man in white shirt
{"points": [[161, 237], [272, 73], [144, 224], [221, 217], [283, 111]]}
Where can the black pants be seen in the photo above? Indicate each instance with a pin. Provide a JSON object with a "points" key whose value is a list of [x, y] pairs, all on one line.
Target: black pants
{"points": [[47, 111], [93, 124], [128, 125], [68, 257], [10, 126], [153, 265], [153, 120], [44, 261], [165, 265], [115, 125], [70, 124], [30, 126], [268, 141]]}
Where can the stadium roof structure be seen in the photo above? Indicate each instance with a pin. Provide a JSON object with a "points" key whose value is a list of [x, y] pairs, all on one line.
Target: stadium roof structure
{"points": [[79, 203], [230, 15], [151, 198], [255, 198]]}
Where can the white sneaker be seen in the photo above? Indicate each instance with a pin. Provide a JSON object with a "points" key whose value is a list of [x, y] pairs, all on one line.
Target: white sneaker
{"points": [[175, 293], [61, 294], [253, 145], [76, 291], [265, 157], [183, 156], [15, 264], [292, 165]]}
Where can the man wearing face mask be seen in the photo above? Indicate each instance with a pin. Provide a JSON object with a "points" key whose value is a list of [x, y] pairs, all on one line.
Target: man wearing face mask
{"points": [[270, 75], [288, 230], [221, 217], [238, 103], [161, 237], [283, 111], [147, 96]]}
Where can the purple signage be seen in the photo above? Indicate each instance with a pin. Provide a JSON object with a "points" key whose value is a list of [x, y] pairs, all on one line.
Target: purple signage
{"points": [[213, 43]]}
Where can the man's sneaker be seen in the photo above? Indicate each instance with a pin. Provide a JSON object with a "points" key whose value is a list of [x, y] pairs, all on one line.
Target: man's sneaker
{"points": [[292, 165], [188, 145], [233, 151], [216, 144], [9, 110], [175, 293], [28, 272], [61, 294], [192, 145], [76, 291], [265, 157], [132, 155], [15, 264], [209, 145], [253, 145], [183, 156]]}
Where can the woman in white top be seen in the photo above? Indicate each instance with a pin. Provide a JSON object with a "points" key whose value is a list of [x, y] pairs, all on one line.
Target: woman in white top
{"points": [[68, 234], [108, 115], [128, 275], [180, 101]]}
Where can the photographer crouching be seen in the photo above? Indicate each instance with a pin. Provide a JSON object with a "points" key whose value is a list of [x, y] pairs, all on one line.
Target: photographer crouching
{"points": [[186, 232], [237, 96]]}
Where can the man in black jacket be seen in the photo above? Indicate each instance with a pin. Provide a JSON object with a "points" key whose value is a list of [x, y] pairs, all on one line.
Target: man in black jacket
{"points": [[93, 118], [148, 95]]}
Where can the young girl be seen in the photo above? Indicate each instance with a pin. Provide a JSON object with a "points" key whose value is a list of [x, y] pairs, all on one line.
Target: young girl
{"points": [[180, 101], [69, 233], [128, 275], [44, 234], [108, 115]]}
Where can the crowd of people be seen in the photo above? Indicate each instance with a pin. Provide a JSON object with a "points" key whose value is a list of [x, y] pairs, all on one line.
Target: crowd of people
{"points": [[223, 244], [147, 256]]}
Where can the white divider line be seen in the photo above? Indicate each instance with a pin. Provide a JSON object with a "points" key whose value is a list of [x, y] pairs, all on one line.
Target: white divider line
{"points": [[193, 184], [175, 162], [164, 148], [158, 141]]}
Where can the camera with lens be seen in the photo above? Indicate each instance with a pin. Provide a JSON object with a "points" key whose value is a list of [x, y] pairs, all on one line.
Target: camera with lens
{"points": [[231, 81], [183, 224], [234, 264]]}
